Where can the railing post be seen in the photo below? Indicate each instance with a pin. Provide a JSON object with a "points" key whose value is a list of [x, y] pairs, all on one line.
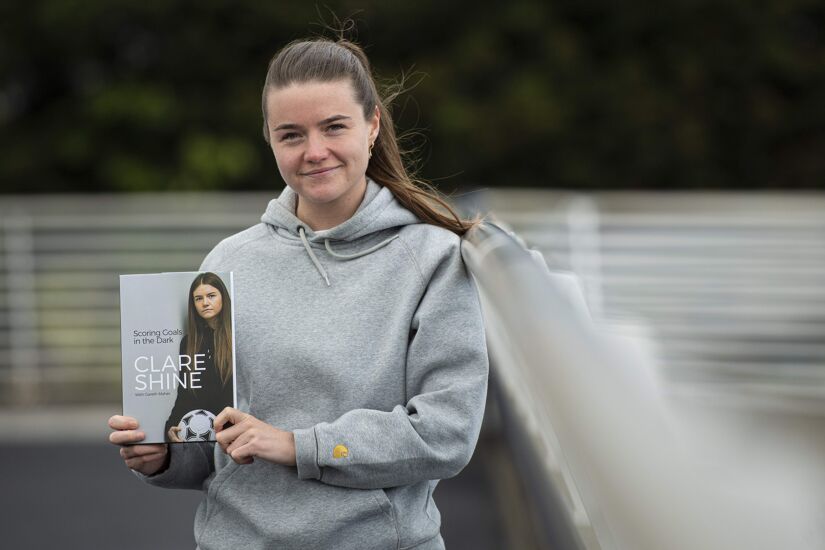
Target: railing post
{"points": [[584, 237]]}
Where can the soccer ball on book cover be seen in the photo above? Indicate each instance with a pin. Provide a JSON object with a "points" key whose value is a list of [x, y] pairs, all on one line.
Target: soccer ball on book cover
{"points": [[197, 425]]}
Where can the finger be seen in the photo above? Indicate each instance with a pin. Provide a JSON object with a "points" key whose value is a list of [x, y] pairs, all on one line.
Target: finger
{"points": [[134, 463], [132, 451], [142, 450], [228, 435], [137, 462], [228, 416], [222, 418], [145, 452], [126, 437], [118, 422], [243, 454], [147, 459], [239, 441]]}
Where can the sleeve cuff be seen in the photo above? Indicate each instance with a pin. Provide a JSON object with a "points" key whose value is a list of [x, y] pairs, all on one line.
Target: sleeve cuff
{"points": [[306, 453], [164, 476], [177, 475]]}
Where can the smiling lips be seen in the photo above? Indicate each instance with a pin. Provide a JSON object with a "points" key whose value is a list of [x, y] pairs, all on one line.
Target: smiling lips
{"points": [[320, 171]]}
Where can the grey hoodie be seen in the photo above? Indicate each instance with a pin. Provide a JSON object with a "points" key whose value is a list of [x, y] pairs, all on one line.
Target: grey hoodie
{"points": [[366, 341]]}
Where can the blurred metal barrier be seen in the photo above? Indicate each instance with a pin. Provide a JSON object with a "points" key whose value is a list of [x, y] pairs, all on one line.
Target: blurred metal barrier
{"points": [[731, 286], [600, 462]]}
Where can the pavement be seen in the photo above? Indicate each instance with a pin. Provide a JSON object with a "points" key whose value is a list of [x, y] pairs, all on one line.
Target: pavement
{"points": [[80, 494]]}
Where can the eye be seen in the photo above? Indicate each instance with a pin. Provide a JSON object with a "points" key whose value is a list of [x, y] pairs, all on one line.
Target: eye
{"points": [[289, 136], [336, 127]]}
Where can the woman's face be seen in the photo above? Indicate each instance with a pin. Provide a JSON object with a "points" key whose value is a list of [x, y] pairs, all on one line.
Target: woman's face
{"points": [[208, 301], [321, 140]]}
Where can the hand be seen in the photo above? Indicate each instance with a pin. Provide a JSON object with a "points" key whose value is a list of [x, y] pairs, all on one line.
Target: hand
{"points": [[246, 437], [146, 459], [174, 434]]}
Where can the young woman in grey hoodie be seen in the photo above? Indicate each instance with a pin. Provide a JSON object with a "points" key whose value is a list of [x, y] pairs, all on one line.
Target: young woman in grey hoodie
{"points": [[361, 359]]}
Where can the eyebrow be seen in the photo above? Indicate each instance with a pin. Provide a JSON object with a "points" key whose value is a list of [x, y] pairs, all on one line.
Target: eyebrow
{"points": [[291, 126]]}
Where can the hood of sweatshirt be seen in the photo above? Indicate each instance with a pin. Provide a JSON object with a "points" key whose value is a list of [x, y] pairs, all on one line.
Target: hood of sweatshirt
{"points": [[379, 211]]}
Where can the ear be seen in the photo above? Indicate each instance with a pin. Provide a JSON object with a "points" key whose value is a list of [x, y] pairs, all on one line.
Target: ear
{"points": [[374, 124]]}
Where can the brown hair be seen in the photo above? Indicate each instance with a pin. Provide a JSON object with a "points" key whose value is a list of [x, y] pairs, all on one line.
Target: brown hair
{"points": [[196, 326], [325, 60]]}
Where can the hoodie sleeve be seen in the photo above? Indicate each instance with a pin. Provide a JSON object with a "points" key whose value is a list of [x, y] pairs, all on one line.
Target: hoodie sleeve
{"points": [[190, 464], [433, 435]]}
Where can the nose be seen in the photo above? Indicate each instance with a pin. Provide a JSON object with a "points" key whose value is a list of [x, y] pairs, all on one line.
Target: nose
{"points": [[316, 149]]}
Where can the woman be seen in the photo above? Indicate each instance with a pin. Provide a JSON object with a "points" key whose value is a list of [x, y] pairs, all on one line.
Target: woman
{"points": [[362, 366], [208, 341]]}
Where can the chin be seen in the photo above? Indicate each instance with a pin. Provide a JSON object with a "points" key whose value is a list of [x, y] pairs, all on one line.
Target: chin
{"points": [[320, 196]]}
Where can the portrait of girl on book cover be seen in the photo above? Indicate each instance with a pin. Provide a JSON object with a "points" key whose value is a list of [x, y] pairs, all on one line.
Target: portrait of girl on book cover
{"points": [[208, 345]]}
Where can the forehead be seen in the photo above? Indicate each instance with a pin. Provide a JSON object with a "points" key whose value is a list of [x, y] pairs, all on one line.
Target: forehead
{"points": [[309, 102], [205, 289]]}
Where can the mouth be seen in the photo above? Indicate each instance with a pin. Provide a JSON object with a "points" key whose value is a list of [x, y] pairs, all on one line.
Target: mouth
{"points": [[320, 171]]}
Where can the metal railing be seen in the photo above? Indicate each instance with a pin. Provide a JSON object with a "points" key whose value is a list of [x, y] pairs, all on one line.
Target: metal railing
{"points": [[731, 286], [604, 468]]}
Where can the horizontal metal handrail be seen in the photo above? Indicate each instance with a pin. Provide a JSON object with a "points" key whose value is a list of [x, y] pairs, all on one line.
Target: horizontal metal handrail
{"points": [[593, 432]]}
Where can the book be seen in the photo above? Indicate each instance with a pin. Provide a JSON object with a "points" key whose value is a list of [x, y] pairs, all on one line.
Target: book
{"points": [[178, 353]]}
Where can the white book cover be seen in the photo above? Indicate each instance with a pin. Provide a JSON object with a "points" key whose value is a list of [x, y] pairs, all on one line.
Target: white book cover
{"points": [[178, 353]]}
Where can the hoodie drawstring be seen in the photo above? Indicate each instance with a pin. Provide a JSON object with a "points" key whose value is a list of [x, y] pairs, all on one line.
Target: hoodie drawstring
{"points": [[345, 257], [312, 257], [342, 257]]}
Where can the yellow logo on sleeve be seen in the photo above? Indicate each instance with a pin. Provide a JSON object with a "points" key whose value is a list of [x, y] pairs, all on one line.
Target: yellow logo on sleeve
{"points": [[340, 452]]}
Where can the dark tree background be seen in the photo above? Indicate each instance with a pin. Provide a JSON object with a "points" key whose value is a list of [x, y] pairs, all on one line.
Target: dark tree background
{"points": [[108, 95]]}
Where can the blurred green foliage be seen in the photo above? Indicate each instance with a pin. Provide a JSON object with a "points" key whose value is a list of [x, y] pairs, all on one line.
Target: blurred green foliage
{"points": [[116, 95]]}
